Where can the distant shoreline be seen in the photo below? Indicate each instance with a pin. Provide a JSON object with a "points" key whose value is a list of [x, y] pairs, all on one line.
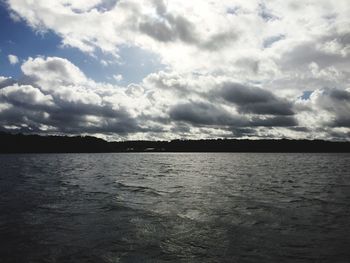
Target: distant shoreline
{"points": [[19, 143]]}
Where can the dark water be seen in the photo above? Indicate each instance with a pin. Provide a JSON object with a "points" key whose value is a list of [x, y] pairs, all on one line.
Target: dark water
{"points": [[175, 208]]}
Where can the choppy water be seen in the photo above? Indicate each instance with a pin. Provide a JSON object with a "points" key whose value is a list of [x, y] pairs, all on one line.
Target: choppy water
{"points": [[175, 207]]}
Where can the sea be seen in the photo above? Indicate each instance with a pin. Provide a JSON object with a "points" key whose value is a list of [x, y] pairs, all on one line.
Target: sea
{"points": [[175, 207]]}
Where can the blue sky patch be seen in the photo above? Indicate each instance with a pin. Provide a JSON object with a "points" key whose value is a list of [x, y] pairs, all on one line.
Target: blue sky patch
{"points": [[18, 39]]}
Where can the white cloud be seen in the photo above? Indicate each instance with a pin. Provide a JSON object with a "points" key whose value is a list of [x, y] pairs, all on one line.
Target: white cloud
{"points": [[198, 36], [13, 59], [281, 47], [118, 77], [164, 105], [26, 95], [52, 71]]}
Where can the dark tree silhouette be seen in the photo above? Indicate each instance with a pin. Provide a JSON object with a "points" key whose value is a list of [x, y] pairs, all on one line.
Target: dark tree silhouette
{"points": [[19, 143]]}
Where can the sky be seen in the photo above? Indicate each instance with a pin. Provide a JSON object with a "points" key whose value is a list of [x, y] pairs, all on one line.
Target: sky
{"points": [[176, 69]]}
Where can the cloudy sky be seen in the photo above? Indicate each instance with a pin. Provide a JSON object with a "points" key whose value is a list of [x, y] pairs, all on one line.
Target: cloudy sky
{"points": [[165, 69]]}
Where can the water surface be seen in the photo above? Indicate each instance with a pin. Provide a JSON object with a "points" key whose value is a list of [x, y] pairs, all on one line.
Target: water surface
{"points": [[181, 207]]}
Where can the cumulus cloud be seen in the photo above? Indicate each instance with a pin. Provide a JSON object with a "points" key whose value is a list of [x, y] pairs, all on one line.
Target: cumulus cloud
{"points": [[195, 29], [54, 93], [255, 100], [55, 96], [233, 68], [52, 71], [13, 59], [203, 114], [25, 95], [211, 115], [335, 103]]}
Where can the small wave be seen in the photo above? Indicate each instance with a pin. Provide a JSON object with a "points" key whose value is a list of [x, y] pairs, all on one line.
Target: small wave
{"points": [[138, 188], [115, 207]]}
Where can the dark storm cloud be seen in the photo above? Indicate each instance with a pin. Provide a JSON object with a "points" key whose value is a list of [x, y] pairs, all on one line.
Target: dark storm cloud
{"points": [[267, 108], [202, 113], [341, 121], [19, 116], [66, 112], [339, 95], [80, 108], [339, 136], [31, 98], [255, 100], [340, 106], [28, 109], [115, 126], [55, 96], [33, 121], [62, 120]]}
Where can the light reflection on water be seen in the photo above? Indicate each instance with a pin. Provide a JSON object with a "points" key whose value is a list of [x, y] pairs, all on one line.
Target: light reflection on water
{"points": [[214, 207]]}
